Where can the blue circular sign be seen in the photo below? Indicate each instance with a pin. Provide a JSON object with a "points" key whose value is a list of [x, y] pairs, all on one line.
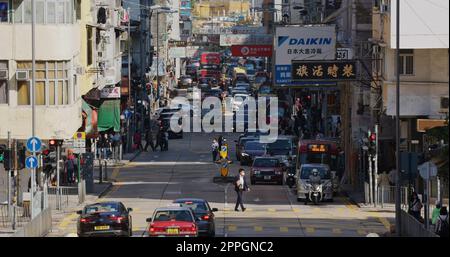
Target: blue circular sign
{"points": [[34, 144]]}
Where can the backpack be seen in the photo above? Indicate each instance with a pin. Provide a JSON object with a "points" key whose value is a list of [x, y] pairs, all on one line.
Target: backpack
{"points": [[443, 228]]}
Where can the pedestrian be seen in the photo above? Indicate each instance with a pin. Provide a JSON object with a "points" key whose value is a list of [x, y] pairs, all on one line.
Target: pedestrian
{"points": [[214, 149], [138, 140], [415, 206], [166, 140], [149, 140], [240, 185], [159, 140], [435, 214], [70, 167], [442, 223], [220, 141]]}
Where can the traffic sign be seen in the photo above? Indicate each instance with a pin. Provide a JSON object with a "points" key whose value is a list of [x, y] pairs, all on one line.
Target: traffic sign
{"points": [[79, 135], [224, 151], [31, 162], [423, 170], [34, 144]]}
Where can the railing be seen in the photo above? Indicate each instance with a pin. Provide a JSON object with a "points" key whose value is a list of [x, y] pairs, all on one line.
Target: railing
{"points": [[386, 195], [15, 217], [64, 193], [411, 227]]}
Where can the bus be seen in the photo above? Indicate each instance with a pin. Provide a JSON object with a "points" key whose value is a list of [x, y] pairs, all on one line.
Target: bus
{"points": [[320, 152]]}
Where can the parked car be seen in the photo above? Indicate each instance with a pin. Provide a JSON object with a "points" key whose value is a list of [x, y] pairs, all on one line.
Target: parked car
{"points": [[240, 144], [105, 219], [203, 213], [172, 221], [267, 169]]}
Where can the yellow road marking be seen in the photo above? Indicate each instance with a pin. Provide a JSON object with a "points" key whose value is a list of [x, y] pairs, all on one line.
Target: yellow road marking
{"points": [[296, 210], [350, 205], [258, 228], [67, 220], [226, 209], [337, 231], [316, 210], [115, 173], [272, 210], [231, 228], [361, 232], [310, 230], [284, 229], [383, 221]]}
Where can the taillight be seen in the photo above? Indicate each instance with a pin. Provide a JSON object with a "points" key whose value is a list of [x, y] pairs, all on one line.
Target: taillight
{"points": [[117, 219], [194, 228], [205, 217], [84, 220]]}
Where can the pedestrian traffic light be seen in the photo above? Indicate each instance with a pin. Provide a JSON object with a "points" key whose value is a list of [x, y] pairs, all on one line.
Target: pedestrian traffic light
{"points": [[372, 142], [21, 158], [7, 159]]}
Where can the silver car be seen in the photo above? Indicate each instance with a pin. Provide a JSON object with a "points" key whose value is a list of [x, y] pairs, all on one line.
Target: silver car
{"points": [[304, 185]]}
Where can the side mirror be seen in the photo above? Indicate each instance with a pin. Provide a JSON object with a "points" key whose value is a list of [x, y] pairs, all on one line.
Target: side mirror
{"points": [[130, 209], [149, 220], [79, 212], [214, 209]]}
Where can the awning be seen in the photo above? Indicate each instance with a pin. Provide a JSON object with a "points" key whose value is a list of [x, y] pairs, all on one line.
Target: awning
{"points": [[109, 115], [88, 128], [424, 124]]}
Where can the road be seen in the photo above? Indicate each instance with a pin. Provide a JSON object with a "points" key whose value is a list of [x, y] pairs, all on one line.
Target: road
{"points": [[154, 179]]}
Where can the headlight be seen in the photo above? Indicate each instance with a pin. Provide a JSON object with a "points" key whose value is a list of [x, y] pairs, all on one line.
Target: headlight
{"points": [[278, 172], [244, 154]]}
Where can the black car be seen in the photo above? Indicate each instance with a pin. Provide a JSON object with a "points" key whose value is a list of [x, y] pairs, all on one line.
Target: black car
{"points": [[240, 144], [204, 214], [104, 219], [251, 150]]}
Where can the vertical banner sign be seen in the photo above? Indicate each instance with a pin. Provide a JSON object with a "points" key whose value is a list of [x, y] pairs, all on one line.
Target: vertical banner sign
{"points": [[301, 43]]}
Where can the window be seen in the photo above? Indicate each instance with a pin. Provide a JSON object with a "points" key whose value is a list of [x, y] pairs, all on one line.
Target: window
{"points": [[47, 11], [4, 82], [4, 11], [406, 62], [444, 102], [89, 46], [52, 83]]}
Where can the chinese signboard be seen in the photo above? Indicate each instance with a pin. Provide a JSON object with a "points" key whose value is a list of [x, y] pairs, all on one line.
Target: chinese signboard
{"points": [[323, 70], [252, 50], [301, 43], [185, 8], [245, 39], [110, 92], [174, 43]]}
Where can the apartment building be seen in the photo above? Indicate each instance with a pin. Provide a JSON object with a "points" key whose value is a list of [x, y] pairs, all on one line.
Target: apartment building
{"points": [[424, 64]]}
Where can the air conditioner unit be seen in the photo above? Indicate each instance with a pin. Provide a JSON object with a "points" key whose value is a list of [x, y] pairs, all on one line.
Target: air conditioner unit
{"points": [[80, 70], [3, 74], [22, 75]]}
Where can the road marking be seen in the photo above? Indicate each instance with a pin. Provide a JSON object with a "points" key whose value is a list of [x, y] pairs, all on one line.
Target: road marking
{"points": [[232, 228], [67, 220], [361, 232], [310, 230], [383, 221], [296, 210], [337, 231], [258, 228], [349, 205], [316, 210], [115, 173], [272, 210], [284, 229], [71, 235]]}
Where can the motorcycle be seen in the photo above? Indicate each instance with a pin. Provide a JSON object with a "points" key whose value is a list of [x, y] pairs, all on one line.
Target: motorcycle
{"points": [[315, 193], [290, 178]]}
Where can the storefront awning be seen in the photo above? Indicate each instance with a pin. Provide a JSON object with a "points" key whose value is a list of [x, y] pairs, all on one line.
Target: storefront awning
{"points": [[109, 116], [424, 124]]}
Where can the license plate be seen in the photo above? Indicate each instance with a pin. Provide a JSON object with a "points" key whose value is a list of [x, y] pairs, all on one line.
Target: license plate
{"points": [[101, 227], [267, 177], [173, 231]]}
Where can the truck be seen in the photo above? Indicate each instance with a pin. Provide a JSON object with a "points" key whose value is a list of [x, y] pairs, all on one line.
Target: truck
{"points": [[210, 65]]}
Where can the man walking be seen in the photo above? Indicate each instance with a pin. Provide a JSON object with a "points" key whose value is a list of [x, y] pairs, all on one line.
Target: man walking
{"points": [[149, 141], [214, 149], [240, 185]]}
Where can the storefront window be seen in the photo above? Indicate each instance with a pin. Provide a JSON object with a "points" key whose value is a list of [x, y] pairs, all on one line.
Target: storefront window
{"points": [[47, 11]]}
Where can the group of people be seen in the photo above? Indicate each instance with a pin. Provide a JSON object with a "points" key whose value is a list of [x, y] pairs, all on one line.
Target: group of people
{"points": [[162, 140], [439, 217], [108, 145]]}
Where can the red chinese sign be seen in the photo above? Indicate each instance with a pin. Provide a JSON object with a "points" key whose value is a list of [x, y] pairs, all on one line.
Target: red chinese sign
{"points": [[252, 50]]}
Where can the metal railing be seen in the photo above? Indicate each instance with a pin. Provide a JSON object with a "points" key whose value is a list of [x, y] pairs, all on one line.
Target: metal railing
{"points": [[386, 196], [15, 217], [64, 193], [411, 227]]}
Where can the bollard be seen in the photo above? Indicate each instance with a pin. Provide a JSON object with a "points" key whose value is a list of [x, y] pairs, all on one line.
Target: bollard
{"points": [[106, 170], [100, 173]]}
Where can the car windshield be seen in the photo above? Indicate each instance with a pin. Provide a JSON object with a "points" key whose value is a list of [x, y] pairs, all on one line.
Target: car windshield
{"points": [[173, 215], [280, 145], [254, 145], [102, 207], [266, 162], [245, 140], [306, 172], [195, 206]]}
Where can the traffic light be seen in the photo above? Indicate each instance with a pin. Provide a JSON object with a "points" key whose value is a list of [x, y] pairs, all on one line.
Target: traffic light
{"points": [[52, 143], [372, 142], [21, 158], [7, 159]]}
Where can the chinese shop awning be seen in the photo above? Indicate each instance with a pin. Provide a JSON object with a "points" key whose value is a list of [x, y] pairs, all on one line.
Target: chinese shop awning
{"points": [[109, 116]]}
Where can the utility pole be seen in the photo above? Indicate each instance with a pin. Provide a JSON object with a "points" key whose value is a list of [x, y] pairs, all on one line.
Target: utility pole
{"points": [[398, 199], [58, 192], [33, 98], [144, 33], [8, 172], [370, 174], [129, 82], [157, 58], [375, 163]]}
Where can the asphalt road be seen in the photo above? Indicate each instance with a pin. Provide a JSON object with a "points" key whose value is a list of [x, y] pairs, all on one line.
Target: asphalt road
{"points": [[155, 179]]}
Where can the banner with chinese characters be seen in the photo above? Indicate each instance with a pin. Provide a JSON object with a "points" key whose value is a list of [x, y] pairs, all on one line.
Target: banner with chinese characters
{"points": [[251, 50], [323, 70]]}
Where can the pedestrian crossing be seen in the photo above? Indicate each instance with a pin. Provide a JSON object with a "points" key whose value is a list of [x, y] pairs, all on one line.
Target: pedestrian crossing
{"points": [[299, 231]]}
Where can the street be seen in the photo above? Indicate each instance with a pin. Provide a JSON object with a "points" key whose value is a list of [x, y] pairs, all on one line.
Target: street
{"points": [[155, 179]]}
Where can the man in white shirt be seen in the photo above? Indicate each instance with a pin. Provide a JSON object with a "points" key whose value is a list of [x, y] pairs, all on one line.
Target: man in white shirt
{"points": [[240, 186]]}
